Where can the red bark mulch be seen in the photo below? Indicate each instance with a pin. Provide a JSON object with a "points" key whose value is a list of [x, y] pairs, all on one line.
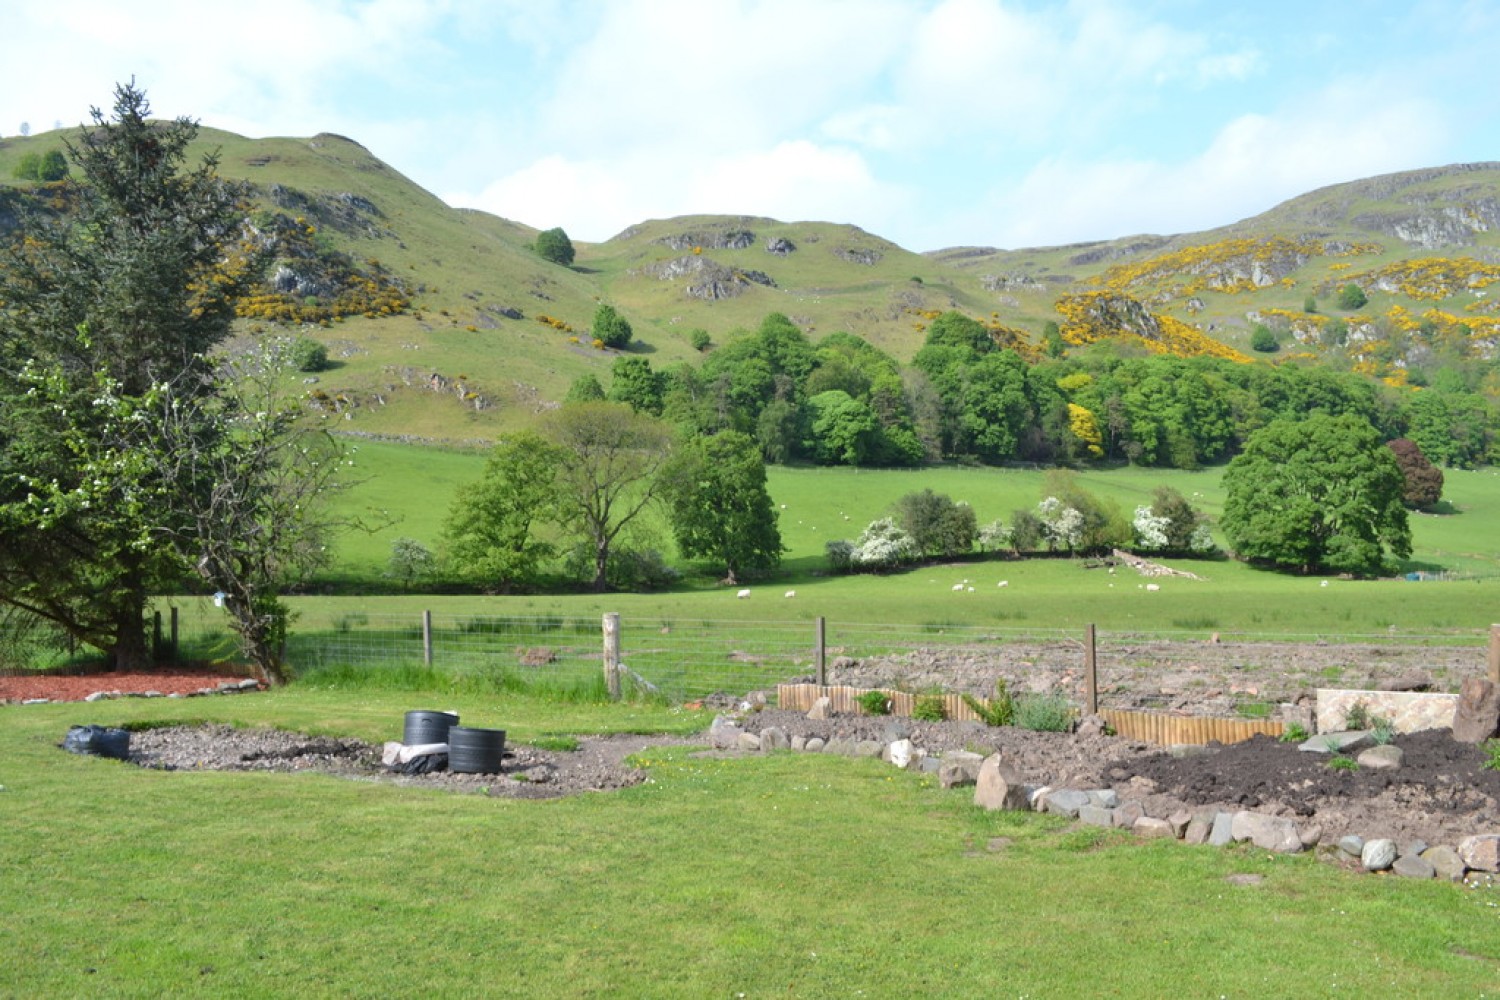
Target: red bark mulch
{"points": [[59, 687]]}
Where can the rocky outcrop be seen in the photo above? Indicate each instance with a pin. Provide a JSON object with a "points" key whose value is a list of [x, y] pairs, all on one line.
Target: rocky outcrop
{"points": [[707, 279], [729, 239]]}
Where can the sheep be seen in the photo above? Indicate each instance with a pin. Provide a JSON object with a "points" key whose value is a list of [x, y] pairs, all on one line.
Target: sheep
{"points": [[742, 595], [957, 587], [1153, 586], [791, 593], [1003, 583]]}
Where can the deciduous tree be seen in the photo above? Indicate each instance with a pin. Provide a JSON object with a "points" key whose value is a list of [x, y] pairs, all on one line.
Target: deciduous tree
{"points": [[715, 488]]}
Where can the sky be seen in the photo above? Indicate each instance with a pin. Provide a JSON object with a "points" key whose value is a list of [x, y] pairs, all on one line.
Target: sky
{"points": [[932, 123]]}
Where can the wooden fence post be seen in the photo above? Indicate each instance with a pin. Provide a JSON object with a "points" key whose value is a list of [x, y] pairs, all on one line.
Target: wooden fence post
{"points": [[174, 633], [1495, 653], [612, 654], [1091, 671], [427, 638], [820, 651], [156, 646]]}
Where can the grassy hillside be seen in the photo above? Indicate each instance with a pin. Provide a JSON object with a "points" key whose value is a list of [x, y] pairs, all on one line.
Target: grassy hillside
{"points": [[505, 332]]}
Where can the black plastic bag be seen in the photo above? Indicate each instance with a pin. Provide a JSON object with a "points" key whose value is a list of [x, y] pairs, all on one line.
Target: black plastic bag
{"points": [[425, 764], [98, 741]]}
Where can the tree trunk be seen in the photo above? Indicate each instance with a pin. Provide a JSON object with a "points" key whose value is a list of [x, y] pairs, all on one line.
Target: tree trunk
{"points": [[130, 652], [601, 567]]}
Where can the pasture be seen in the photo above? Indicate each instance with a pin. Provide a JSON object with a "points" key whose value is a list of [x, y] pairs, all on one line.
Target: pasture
{"points": [[788, 875], [412, 488]]}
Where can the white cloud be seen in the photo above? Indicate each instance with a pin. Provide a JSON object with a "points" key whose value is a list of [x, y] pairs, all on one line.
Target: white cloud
{"points": [[595, 199]]}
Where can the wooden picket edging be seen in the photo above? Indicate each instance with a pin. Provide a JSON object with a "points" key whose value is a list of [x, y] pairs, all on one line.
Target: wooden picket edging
{"points": [[1165, 730], [1151, 727]]}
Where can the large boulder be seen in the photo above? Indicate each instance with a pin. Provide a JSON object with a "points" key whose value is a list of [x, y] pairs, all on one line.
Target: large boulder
{"points": [[1477, 717], [999, 785]]}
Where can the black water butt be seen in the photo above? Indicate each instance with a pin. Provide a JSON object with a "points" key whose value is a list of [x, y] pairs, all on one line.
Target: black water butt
{"points": [[475, 751], [428, 727]]}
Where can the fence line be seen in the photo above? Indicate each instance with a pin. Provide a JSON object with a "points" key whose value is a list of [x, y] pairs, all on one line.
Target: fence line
{"points": [[1216, 673]]}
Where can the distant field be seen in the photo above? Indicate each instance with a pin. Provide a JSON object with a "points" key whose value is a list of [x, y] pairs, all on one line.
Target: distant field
{"points": [[417, 485]]}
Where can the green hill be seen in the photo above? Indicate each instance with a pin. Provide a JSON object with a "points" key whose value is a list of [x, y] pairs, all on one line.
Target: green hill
{"points": [[443, 324]]}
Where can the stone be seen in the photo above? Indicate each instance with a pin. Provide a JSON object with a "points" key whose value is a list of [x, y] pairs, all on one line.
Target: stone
{"points": [[895, 729], [1446, 863], [1477, 717], [815, 744], [1128, 813], [957, 773], [747, 742], [249, 684], [1067, 802], [1481, 852], [1413, 866], [1382, 758], [1095, 815], [928, 764], [1344, 741], [899, 754], [868, 748], [723, 733], [799, 743], [1269, 833], [839, 745], [96, 696], [1413, 848], [1152, 828], [774, 738], [1352, 845], [1311, 835], [1091, 725], [1037, 797], [1179, 822], [999, 786], [1197, 831], [820, 708], [1106, 797], [1416, 680], [1378, 854]]}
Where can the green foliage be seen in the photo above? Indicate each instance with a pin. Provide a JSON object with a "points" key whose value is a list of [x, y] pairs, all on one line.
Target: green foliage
{"points": [[930, 707], [1044, 713], [585, 389], [490, 524], [410, 561], [1263, 340], [308, 355], [1382, 730], [1310, 304], [1491, 750], [1358, 716], [49, 166], [874, 703], [1295, 732], [699, 339], [715, 491], [1001, 711], [554, 245], [1321, 493], [610, 328], [1352, 297], [939, 528], [1171, 524], [633, 383], [1342, 762]]}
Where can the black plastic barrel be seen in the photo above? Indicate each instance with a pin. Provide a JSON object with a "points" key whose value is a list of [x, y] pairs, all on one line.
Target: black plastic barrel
{"points": [[475, 751], [428, 727]]}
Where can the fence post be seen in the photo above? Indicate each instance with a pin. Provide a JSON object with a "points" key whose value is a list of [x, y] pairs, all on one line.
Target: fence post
{"points": [[1091, 671], [612, 654], [426, 638], [1495, 653], [820, 651], [156, 635], [174, 633]]}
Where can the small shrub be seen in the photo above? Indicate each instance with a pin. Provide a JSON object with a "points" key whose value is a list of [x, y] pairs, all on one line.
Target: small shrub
{"points": [[308, 355], [1358, 716], [1295, 732], [1001, 711], [929, 708], [874, 703], [1382, 730], [1491, 750], [1343, 762], [1044, 713]]}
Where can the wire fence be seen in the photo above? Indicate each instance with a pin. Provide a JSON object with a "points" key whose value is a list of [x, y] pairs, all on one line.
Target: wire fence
{"points": [[1206, 673]]}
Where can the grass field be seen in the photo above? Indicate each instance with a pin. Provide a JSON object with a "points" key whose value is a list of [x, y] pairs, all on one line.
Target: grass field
{"points": [[791, 875], [416, 485]]}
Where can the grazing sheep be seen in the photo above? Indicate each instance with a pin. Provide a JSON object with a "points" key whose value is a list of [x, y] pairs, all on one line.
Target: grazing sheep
{"points": [[791, 593], [1153, 586], [1003, 583], [958, 586], [743, 594]]}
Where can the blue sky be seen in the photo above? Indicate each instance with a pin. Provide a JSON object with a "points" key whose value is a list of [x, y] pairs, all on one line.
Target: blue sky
{"points": [[933, 123]]}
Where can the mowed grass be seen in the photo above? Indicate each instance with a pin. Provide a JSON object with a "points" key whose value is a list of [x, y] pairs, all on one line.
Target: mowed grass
{"points": [[789, 875], [414, 488]]}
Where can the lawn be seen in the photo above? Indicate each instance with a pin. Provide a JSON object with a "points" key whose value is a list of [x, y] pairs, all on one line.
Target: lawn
{"points": [[790, 875]]}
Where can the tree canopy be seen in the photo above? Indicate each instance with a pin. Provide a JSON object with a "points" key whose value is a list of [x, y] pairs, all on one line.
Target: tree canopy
{"points": [[719, 506], [1323, 493], [554, 245]]}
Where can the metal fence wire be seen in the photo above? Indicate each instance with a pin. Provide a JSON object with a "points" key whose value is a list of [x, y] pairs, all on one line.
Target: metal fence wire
{"points": [[683, 660]]}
